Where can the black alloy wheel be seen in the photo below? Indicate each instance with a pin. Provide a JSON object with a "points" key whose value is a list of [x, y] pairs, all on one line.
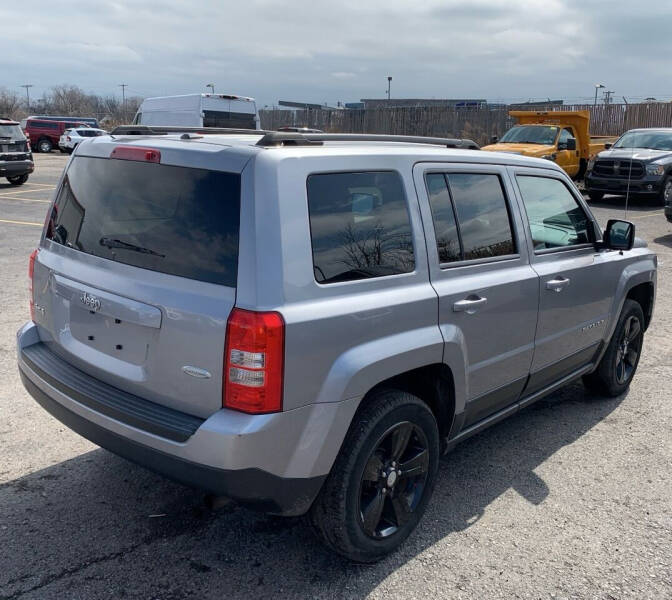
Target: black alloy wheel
{"points": [[393, 480], [629, 348]]}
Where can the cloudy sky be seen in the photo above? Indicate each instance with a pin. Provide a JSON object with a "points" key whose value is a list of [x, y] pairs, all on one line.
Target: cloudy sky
{"points": [[326, 51]]}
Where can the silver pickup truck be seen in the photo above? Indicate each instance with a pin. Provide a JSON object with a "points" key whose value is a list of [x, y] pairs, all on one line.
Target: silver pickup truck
{"points": [[304, 322]]}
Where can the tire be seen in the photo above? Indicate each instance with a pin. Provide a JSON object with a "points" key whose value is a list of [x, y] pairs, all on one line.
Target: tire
{"points": [[44, 145], [619, 363], [596, 196], [368, 463], [18, 179], [665, 195]]}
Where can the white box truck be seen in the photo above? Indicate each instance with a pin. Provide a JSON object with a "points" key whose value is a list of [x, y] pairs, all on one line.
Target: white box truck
{"points": [[199, 110]]}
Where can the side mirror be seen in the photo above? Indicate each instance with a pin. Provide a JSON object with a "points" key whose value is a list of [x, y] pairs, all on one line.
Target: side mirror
{"points": [[494, 139], [571, 144], [607, 146], [619, 235]]}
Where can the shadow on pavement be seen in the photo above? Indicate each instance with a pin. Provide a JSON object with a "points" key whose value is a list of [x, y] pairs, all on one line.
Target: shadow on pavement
{"points": [[97, 526], [634, 204]]}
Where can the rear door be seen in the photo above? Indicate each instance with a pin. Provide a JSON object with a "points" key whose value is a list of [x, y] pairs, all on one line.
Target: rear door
{"points": [[577, 283], [137, 275], [488, 293]]}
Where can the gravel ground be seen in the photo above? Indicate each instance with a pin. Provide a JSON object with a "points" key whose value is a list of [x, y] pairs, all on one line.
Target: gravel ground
{"points": [[568, 499]]}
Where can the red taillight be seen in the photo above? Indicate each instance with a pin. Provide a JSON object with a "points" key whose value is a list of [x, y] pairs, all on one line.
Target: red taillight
{"points": [[31, 271], [253, 361], [136, 153]]}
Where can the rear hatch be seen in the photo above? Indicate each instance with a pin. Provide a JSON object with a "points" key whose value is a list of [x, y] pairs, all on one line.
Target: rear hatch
{"points": [[137, 273], [13, 144]]}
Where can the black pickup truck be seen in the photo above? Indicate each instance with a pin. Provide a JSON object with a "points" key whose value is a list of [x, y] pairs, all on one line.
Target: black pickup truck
{"points": [[16, 158], [639, 163]]}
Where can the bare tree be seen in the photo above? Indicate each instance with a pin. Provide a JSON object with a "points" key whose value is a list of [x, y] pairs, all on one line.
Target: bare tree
{"points": [[10, 103]]}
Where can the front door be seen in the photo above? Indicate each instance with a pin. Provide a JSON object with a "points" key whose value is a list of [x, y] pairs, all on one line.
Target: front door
{"points": [[577, 283], [488, 293], [569, 160]]}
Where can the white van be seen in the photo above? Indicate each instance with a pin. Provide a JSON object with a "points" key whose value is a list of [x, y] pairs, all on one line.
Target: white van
{"points": [[199, 110]]}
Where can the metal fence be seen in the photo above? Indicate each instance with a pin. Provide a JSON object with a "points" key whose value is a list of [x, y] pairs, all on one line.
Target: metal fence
{"points": [[476, 124]]}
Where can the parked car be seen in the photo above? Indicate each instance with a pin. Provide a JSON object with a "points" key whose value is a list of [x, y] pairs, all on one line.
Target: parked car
{"points": [[199, 110], [638, 164], [90, 121], [44, 135], [560, 136], [305, 322], [71, 138], [16, 159]]}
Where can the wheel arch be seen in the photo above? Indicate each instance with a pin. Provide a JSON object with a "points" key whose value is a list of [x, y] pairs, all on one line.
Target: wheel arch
{"points": [[643, 293], [433, 384]]}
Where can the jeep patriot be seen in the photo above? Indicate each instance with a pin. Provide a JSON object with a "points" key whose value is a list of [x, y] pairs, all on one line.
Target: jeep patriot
{"points": [[305, 322]]}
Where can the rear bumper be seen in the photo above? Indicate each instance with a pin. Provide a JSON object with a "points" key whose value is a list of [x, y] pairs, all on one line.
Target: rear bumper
{"points": [[12, 168], [275, 463], [649, 185]]}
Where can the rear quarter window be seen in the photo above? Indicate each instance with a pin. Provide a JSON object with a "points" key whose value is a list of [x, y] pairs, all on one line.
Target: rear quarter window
{"points": [[360, 226], [174, 220]]}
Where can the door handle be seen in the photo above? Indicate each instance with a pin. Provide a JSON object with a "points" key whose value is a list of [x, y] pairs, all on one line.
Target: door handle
{"points": [[558, 284], [470, 304]]}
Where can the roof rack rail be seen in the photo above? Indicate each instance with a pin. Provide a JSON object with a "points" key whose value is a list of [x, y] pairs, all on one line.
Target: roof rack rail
{"points": [[276, 138], [288, 138], [166, 129]]}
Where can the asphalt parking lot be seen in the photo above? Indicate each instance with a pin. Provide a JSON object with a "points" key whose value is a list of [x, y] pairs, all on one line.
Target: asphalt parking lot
{"points": [[571, 498]]}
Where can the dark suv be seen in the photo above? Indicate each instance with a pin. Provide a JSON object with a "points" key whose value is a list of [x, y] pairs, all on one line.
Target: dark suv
{"points": [[638, 164], [44, 134], [16, 159]]}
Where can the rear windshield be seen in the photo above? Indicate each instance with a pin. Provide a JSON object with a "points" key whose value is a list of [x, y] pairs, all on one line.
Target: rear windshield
{"points": [[12, 132], [174, 220], [235, 120]]}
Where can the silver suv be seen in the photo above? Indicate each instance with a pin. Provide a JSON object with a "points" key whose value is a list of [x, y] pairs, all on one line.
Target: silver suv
{"points": [[305, 322]]}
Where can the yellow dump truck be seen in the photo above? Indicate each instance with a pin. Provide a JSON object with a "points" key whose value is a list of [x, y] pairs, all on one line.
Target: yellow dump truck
{"points": [[561, 136]]}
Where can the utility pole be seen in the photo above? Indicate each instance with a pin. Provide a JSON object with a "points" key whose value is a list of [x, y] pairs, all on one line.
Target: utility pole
{"points": [[607, 97], [389, 83], [123, 87], [597, 87], [27, 86], [211, 86]]}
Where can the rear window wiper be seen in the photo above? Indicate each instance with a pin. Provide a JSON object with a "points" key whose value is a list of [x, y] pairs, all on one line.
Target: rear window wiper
{"points": [[115, 243]]}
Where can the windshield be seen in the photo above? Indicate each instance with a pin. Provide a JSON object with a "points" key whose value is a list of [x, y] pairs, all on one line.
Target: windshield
{"points": [[11, 131], [654, 140], [531, 134]]}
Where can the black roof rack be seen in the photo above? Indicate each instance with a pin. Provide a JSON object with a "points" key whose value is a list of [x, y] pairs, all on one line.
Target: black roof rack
{"points": [[166, 129], [292, 138], [280, 138]]}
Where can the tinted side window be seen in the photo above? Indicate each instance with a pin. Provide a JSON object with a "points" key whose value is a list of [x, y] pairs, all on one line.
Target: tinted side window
{"points": [[445, 228], [556, 218], [482, 214], [359, 225]]}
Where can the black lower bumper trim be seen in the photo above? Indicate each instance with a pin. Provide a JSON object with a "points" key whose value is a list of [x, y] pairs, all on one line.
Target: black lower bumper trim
{"points": [[13, 169], [253, 487]]}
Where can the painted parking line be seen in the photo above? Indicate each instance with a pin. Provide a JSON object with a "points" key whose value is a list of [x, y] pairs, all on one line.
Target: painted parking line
{"points": [[21, 222], [22, 199], [647, 216], [28, 190]]}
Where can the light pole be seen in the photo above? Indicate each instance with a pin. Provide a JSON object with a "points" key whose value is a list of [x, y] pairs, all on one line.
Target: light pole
{"points": [[211, 86], [27, 86], [389, 82], [123, 87], [597, 87]]}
